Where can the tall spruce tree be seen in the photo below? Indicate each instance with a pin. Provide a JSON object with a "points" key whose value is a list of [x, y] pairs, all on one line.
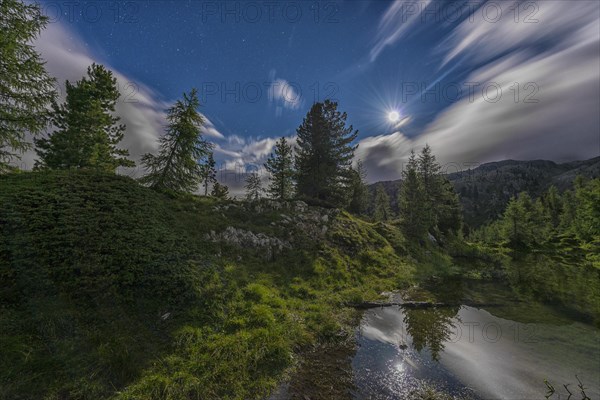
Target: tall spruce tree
{"points": [[281, 167], [383, 211], [253, 186], [177, 166], [324, 156], [431, 184], [208, 172], [25, 86], [411, 201], [87, 132]]}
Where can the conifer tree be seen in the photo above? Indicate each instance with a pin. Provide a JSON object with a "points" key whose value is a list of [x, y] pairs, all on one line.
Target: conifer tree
{"points": [[220, 191], [87, 132], [280, 166], [253, 187], [448, 209], [429, 174], [324, 156], [177, 166], [412, 201], [553, 205], [568, 211], [516, 227], [26, 87], [587, 219], [360, 194], [383, 210]]}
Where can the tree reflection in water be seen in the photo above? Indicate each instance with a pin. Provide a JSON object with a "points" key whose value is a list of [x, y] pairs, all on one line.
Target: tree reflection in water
{"points": [[431, 328]]}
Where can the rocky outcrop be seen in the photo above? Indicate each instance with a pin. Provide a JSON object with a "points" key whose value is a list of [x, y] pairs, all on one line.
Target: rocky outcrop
{"points": [[247, 239], [295, 221]]}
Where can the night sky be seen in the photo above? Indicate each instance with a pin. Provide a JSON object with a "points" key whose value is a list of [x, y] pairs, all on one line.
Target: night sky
{"points": [[260, 65]]}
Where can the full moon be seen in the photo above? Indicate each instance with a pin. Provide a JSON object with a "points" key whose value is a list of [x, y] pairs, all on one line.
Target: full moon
{"points": [[393, 116]]}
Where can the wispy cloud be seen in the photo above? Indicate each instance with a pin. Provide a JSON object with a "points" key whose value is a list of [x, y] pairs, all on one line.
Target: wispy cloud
{"points": [[209, 130], [284, 93], [396, 23]]}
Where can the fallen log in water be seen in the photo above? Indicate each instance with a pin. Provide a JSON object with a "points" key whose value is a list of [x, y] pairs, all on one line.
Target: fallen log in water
{"points": [[417, 304]]}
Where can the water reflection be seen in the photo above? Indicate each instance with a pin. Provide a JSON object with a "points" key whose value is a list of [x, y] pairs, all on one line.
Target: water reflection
{"points": [[431, 328], [574, 287]]}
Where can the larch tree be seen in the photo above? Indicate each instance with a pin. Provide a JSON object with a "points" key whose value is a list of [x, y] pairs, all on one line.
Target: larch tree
{"points": [[26, 89], [324, 155], [178, 164], [280, 166], [87, 131]]}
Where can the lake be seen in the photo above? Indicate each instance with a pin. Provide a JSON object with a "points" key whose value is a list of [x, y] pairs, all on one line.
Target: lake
{"points": [[504, 351]]}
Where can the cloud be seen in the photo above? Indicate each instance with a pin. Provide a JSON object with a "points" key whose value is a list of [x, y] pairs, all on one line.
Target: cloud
{"points": [[285, 94], [555, 115], [396, 23], [482, 38], [209, 131]]}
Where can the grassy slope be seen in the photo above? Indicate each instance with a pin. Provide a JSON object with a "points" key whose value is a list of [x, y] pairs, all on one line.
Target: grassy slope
{"points": [[109, 290]]}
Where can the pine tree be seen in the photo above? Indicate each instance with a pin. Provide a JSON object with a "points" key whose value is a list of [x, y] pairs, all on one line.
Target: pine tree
{"points": [[360, 194], [253, 187], [26, 87], [324, 156], [383, 210], [412, 204], [280, 166], [208, 173], [220, 191], [177, 164], [87, 132]]}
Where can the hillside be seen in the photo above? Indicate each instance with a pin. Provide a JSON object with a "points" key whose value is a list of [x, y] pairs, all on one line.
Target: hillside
{"points": [[112, 290], [484, 191]]}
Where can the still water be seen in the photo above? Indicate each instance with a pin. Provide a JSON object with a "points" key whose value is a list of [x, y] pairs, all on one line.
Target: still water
{"points": [[505, 351]]}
